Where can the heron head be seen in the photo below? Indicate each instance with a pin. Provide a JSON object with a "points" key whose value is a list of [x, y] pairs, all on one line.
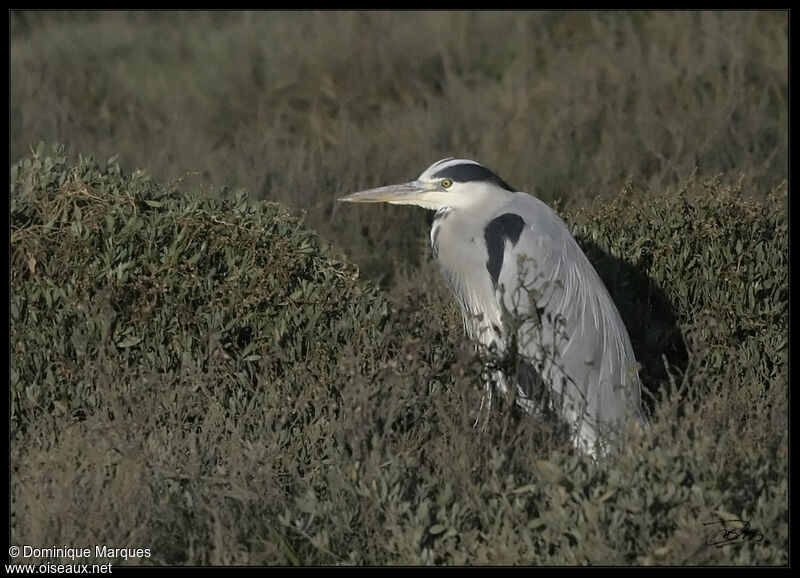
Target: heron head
{"points": [[446, 183]]}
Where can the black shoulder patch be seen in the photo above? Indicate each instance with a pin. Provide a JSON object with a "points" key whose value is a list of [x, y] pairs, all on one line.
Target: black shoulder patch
{"points": [[467, 172], [507, 226]]}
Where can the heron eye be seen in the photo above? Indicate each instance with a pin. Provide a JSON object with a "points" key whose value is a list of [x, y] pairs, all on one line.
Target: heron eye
{"points": [[446, 183]]}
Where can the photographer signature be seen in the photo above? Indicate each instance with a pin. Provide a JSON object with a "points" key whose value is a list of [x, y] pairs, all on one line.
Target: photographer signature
{"points": [[728, 532]]}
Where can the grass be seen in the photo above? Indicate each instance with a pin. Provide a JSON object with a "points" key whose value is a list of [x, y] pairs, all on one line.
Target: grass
{"points": [[300, 108], [201, 374]]}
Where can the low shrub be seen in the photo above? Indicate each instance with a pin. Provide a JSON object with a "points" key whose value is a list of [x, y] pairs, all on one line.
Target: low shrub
{"points": [[208, 379]]}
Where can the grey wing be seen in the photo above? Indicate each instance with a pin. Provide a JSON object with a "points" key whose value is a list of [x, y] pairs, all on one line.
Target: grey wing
{"points": [[567, 325]]}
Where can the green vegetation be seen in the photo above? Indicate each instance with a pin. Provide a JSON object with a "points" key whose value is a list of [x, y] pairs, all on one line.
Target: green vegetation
{"points": [[197, 372], [300, 108]]}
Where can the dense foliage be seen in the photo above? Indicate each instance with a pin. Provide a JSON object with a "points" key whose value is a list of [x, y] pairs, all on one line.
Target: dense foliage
{"points": [[208, 379]]}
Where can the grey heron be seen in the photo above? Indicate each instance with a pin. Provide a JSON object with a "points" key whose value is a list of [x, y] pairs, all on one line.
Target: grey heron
{"points": [[521, 278]]}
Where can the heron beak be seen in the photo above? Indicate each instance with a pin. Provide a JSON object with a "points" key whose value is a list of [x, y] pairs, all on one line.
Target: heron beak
{"points": [[412, 193]]}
